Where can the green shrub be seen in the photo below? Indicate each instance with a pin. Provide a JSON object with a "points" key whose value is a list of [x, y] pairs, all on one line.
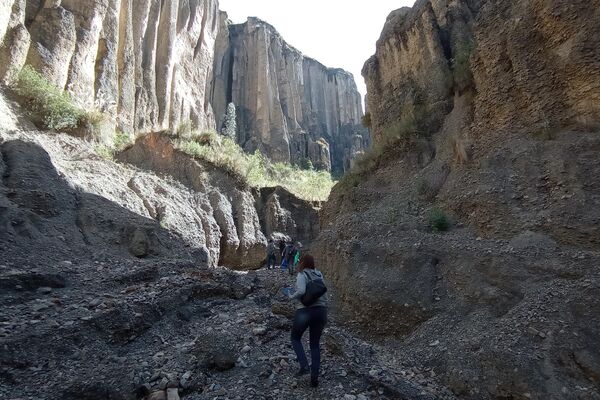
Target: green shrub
{"points": [[230, 124], [104, 151], [256, 170], [51, 107], [121, 140], [393, 138], [306, 164], [438, 220]]}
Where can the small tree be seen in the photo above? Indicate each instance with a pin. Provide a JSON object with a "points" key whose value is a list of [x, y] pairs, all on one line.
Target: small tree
{"points": [[230, 124]]}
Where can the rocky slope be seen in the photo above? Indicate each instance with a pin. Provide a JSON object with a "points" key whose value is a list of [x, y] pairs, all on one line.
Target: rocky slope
{"points": [[489, 110], [108, 288], [220, 220], [289, 106]]}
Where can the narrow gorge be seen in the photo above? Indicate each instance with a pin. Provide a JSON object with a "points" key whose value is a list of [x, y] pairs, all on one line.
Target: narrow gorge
{"points": [[460, 246]]}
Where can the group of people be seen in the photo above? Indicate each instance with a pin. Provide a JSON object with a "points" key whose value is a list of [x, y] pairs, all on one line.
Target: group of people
{"points": [[309, 315], [289, 255]]}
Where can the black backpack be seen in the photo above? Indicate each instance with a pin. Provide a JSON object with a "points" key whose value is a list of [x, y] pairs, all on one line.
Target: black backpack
{"points": [[315, 288]]}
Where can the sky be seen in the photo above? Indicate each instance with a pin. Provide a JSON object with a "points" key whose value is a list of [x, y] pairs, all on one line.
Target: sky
{"points": [[338, 33]]}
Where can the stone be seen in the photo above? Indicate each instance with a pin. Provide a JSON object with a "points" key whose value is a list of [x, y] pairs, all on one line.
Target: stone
{"points": [[13, 51], [222, 210], [45, 290], [259, 331], [172, 394], [139, 243], [224, 361], [158, 395], [476, 78]]}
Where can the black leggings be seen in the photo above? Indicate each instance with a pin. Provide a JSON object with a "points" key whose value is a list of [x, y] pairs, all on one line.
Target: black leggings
{"points": [[314, 318]]}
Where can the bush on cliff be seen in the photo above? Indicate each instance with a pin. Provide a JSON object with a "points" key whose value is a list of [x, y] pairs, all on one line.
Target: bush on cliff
{"points": [[47, 104], [255, 169], [121, 141], [52, 108]]}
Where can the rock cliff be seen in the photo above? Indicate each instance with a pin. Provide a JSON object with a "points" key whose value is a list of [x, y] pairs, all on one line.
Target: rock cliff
{"points": [[290, 107], [486, 116], [168, 193], [235, 219], [149, 65], [147, 62], [529, 65]]}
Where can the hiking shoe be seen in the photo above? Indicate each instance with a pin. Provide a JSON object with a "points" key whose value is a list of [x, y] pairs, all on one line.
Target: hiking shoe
{"points": [[314, 381], [302, 371]]}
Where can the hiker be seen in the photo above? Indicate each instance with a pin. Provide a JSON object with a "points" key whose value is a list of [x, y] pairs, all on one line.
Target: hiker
{"points": [[281, 249], [311, 314], [287, 256], [296, 257], [271, 257]]}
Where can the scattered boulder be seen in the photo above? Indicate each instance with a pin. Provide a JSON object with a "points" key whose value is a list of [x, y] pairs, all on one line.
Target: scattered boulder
{"points": [[215, 351], [139, 243], [157, 395]]}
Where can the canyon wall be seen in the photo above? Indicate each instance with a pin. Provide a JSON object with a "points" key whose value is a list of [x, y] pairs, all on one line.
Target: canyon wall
{"points": [[149, 65], [146, 62], [471, 239], [290, 107], [528, 64]]}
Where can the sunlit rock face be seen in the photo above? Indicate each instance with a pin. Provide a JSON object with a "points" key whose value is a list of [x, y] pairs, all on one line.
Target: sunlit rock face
{"points": [[289, 106], [523, 64], [149, 65], [145, 62]]}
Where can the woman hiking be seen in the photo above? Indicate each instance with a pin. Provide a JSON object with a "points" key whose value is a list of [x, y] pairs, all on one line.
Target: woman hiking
{"points": [[313, 317]]}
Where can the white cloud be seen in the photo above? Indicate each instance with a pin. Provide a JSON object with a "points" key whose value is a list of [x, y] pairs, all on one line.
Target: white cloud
{"points": [[338, 33]]}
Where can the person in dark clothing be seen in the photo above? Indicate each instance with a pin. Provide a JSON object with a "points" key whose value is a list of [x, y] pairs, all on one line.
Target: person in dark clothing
{"points": [[288, 256], [281, 249], [313, 317], [271, 257]]}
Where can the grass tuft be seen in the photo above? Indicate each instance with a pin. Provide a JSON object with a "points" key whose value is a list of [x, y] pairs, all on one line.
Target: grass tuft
{"points": [[438, 220]]}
